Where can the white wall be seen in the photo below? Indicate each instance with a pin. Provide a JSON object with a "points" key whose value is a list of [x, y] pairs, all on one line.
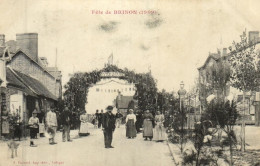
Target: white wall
{"points": [[104, 92], [3, 72]]}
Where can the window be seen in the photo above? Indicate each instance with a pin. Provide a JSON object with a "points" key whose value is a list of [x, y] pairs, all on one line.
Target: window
{"points": [[129, 89], [97, 89], [125, 89]]}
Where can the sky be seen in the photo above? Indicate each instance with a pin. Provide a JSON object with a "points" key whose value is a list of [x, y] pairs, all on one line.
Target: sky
{"points": [[174, 42]]}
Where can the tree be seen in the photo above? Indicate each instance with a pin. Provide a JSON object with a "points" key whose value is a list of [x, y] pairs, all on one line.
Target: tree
{"points": [[223, 114], [245, 72]]}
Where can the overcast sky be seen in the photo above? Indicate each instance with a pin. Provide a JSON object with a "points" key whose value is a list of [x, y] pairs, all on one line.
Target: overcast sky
{"points": [[175, 41]]}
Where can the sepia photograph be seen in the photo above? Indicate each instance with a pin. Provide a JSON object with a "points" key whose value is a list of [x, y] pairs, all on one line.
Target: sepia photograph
{"points": [[129, 83]]}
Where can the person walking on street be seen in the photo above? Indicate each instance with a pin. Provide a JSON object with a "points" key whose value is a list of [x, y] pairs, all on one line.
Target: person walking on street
{"points": [[119, 117], [51, 122], [159, 130], [100, 119], [83, 130], [34, 127], [108, 124], [66, 122], [148, 125], [130, 124], [139, 121]]}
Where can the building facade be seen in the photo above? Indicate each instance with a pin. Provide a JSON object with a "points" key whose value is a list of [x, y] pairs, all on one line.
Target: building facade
{"points": [[105, 92], [28, 84], [205, 82]]}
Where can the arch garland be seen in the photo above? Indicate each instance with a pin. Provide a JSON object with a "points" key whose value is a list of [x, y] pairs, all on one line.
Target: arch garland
{"points": [[76, 90]]}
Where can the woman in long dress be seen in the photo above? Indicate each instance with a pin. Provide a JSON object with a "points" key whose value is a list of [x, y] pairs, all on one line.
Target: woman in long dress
{"points": [[130, 124], [159, 130], [83, 131], [148, 125]]}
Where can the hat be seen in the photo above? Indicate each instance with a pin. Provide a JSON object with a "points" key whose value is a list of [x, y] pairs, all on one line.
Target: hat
{"points": [[35, 111], [109, 108]]}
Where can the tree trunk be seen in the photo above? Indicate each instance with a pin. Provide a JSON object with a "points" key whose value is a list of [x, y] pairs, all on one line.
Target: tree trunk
{"points": [[243, 125], [231, 150], [197, 158]]}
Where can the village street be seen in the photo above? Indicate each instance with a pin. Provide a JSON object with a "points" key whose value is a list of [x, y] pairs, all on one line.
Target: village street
{"points": [[90, 151]]}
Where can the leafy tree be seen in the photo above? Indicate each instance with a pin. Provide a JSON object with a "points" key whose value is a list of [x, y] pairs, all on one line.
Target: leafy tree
{"points": [[223, 114], [245, 72]]}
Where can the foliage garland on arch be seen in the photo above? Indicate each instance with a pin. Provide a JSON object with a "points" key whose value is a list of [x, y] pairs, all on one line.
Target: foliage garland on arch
{"points": [[77, 87]]}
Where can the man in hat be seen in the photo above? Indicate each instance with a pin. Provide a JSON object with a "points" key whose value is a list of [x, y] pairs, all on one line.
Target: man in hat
{"points": [[51, 122], [108, 125], [65, 122]]}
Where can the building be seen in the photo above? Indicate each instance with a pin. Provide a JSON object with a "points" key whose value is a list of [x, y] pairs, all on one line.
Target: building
{"points": [[205, 77], [28, 81], [105, 92]]}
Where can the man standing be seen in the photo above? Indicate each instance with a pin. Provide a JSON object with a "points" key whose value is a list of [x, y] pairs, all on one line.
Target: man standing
{"points": [[108, 126], [119, 117], [65, 122], [51, 122]]}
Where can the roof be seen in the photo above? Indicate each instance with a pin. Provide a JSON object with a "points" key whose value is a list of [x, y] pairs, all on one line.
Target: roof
{"points": [[13, 81], [27, 55], [124, 101], [36, 86], [214, 56]]}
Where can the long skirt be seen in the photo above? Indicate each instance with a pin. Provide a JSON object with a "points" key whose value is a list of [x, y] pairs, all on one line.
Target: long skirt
{"points": [[148, 128], [159, 133], [130, 128], [83, 128]]}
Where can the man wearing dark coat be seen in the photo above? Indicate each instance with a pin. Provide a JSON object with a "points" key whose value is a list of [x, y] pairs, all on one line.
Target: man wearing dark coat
{"points": [[66, 122], [108, 125]]}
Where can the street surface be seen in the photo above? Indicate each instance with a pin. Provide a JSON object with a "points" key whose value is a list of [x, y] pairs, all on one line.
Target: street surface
{"points": [[89, 151]]}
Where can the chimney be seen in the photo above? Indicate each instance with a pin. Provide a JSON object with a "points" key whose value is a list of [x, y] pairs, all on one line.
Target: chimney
{"points": [[224, 53], [28, 42], [253, 36], [2, 40], [44, 61]]}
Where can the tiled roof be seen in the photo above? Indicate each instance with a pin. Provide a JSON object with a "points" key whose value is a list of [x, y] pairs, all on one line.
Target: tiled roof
{"points": [[37, 86], [13, 81], [124, 101]]}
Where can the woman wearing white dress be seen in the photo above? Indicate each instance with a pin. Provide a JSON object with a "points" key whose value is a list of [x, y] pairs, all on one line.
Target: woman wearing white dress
{"points": [[159, 133], [83, 131], [130, 124]]}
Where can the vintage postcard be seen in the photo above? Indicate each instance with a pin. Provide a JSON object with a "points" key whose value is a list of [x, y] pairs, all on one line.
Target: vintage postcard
{"points": [[129, 82]]}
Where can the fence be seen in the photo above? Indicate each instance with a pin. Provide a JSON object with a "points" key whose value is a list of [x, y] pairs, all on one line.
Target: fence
{"points": [[192, 118]]}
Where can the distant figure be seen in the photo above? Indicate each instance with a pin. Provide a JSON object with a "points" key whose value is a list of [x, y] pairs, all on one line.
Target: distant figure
{"points": [[95, 121], [66, 122], [51, 122], [139, 121], [130, 124], [159, 130], [108, 124], [148, 125], [34, 127], [83, 130], [119, 117], [100, 119]]}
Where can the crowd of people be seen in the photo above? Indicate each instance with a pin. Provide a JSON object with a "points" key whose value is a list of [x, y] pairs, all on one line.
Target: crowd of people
{"points": [[136, 122]]}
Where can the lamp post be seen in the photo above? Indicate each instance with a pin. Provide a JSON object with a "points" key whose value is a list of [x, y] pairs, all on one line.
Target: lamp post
{"points": [[182, 92]]}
